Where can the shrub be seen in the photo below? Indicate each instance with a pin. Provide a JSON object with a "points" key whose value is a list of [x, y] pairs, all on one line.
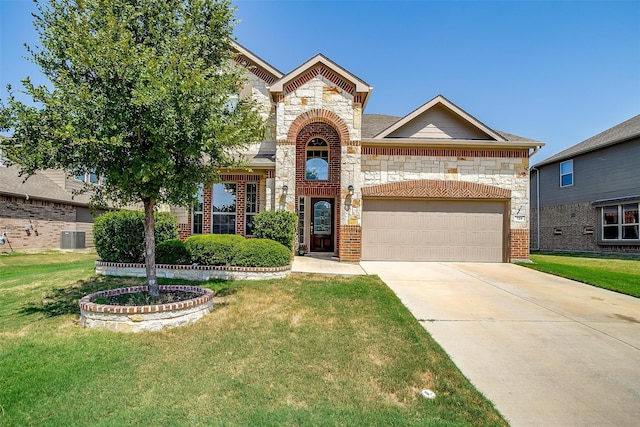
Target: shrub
{"points": [[260, 253], [276, 225], [173, 252], [119, 235], [212, 249]]}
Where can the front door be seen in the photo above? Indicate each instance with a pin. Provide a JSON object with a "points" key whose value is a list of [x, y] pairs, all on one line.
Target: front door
{"points": [[321, 225]]}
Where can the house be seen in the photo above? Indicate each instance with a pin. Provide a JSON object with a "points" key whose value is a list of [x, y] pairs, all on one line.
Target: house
{"points": [[434, 185], [586, 197], [42, 212]]}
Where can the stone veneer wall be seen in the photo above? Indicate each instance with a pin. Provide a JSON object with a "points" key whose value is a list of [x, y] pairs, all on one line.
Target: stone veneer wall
{"points": [[48, 219], [193, 272]]}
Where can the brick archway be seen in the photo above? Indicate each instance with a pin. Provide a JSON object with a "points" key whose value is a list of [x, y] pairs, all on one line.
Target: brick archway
{"points": [[438, 189], [323, 116]]}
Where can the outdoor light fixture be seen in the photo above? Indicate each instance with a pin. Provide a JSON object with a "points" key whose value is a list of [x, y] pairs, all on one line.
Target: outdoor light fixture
{"points": [[285, 188], [350, 188]]}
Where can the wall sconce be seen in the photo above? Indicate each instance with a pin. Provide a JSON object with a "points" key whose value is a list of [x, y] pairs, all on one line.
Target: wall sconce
{"points": [[350, 188], [285, 188], [28, 229]]}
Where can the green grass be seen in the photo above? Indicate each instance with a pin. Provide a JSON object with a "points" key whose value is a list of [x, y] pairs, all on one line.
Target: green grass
{"points": [[308, 350], [620, 274]]}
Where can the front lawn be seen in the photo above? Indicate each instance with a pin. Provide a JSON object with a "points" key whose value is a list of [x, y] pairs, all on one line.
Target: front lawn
{"points": [[306, 350], [620, 274]]}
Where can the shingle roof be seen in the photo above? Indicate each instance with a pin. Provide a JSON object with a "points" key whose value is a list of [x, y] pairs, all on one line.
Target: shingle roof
{"points": [[615, 135], [37, 186], [373, 124]]}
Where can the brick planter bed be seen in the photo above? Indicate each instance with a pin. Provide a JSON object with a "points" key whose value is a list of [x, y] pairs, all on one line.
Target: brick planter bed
{"points": [[193, 272], [147, 317]]}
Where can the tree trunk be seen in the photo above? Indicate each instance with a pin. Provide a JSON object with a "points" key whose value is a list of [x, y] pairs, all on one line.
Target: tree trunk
{"points": [[150, 247]]}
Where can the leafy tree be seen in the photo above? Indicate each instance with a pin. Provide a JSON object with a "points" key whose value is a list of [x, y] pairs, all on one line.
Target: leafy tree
{"points": [[141, 92]]}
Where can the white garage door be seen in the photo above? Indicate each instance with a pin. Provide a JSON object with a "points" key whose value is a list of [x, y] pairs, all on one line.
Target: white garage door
{"points": [[423, 230]]}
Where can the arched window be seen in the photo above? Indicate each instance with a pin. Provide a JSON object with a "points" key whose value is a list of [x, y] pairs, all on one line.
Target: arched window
{"points": [[317, 162]]}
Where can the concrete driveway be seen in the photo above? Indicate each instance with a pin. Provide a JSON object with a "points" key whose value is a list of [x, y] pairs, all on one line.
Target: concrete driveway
{"points": [[546, 350]]}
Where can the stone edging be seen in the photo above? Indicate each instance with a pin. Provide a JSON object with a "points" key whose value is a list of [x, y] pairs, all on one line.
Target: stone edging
{"points": [[86, 303], [193, 272], [148, 317]]}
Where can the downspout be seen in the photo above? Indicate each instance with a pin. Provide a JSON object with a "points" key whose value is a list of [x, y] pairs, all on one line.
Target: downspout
{"points": [[537, 207]]}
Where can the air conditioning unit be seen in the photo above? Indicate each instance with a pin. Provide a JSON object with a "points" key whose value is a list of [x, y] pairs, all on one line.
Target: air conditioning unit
{"points": [[72, 239]]}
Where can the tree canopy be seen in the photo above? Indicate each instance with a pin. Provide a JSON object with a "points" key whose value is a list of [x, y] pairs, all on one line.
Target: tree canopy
{"points": [[142, 92]]}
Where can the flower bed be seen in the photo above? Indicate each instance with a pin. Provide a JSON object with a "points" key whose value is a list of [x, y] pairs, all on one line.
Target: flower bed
{"points": [[193, 272], [145, 317]]}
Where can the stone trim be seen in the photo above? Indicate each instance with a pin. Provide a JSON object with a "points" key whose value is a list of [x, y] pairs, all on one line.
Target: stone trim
{"points": [[322, 116], [321, 70], [444, 152], [86, 303], [193, 272], [437, 189]]}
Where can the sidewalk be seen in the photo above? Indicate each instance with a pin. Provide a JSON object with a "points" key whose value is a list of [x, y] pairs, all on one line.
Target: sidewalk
{"points": [[324, 264]]}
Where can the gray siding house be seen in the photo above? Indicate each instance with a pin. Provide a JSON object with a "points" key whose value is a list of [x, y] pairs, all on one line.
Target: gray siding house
{"points": [[586, 198]]}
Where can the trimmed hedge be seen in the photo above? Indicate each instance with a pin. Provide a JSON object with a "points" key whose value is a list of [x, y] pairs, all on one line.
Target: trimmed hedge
{"points": [[119, 235], [260, 253], [276, 225], [172, 252], [212, 249]]}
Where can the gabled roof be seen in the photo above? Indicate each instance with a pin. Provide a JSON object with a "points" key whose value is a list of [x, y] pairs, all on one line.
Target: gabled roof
{"points": [[441, 101], [620, 133], [38, 186], [321, 65], [256, 65]]}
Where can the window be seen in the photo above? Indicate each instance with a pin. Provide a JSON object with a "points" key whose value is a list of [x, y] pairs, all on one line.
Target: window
{"points": [[91, 177], [566, 173], [224, 209], [301, 220], [317, 163], [251, 207], [198, 212], [620, 222]]}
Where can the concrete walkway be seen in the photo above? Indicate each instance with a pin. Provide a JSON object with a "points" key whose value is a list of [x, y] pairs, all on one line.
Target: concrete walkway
{"points": [[324, 264], [547, 351]]}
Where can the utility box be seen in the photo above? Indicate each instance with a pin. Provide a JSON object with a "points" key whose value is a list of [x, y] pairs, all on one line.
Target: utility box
{"points": [[72, 239]]}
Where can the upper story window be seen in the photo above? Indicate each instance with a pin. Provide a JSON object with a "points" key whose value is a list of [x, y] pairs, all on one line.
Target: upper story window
{"points": [[566, 173], [224, 209], [90, 177], [620, 222], [317, 161]]}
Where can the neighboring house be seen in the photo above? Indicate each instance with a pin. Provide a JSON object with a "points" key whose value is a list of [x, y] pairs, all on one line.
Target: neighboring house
{"points": [[435, 185], [589, 194], [42, 213]]}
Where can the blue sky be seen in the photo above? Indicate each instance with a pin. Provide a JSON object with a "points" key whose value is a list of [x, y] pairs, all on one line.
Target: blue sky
{"points": [[555, 71]]}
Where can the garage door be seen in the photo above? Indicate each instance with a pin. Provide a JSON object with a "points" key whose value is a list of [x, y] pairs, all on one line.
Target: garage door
{"points": [[423, 230]]}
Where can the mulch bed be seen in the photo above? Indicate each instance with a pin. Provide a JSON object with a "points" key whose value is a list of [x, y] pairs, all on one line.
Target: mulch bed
{"points": [[143, 298]]}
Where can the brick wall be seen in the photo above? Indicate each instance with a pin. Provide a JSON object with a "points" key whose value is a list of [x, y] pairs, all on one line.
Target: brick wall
{"points": [[45, 219], [567, 228], [350, 243], [329, 188], [518, 245]]}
